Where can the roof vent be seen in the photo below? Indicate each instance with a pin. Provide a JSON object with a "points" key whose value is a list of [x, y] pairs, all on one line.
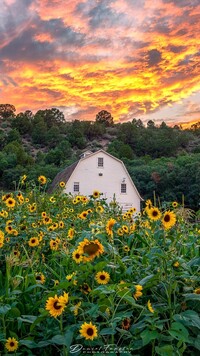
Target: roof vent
{"points": [[85, 154]]}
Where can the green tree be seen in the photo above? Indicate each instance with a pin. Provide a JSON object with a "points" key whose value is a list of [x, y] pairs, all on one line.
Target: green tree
{"points": [[104, 117], [22, 157], [6, 111], [13, 135], [23, 122], [52, 117], [120, 150]]}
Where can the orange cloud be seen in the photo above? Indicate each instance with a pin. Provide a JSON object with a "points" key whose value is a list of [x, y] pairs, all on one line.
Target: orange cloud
{"points": [[131, 58]]}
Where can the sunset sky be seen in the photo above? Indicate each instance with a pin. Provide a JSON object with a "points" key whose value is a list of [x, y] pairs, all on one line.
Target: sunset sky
{"points": [[134, 58]]}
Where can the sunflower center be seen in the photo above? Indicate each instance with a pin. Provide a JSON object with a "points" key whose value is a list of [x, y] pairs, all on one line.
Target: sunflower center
{"points": [[33, 241], [91, 249], [90, 331], [155, 213], [77, 255], [12, 344], [38, 278], [167, 218], [56, 305], [102, 277]]}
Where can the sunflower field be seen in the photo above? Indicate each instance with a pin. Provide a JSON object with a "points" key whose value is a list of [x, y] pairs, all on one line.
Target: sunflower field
{"points": [[80, 277]]}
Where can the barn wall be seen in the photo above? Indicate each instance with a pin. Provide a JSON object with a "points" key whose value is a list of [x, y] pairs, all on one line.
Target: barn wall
{"points": [[107, 180]]}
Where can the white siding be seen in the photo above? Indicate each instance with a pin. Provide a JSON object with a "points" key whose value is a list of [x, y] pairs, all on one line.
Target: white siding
{"points": [[106, 179]]}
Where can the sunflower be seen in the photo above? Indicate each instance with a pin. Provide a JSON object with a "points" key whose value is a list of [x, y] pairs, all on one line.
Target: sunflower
{"points": [[83, 215], [149, 306], [69, 277], [125, 216], [32, 207], [174, 204], [70, 233], [84, 199], [4, 213], [90, 249], [15, 232], [176, 264], [53, 245], [62, 184], [138, 291], [52, 200], [1, 243], [40, 278], [102, 277], [42, 180], [9, 229], [23, 178], [169, 219], [126, 248], [85, 288], [16, 253], [47, 220], [120, 232], [77, 257], [76, 308], [197, 290], [61, 224], [6, 196], [64, 299], [99, 209], [132, 228], [11, 344], [96, 194], [126, 323], [10, 203], [154, 213], [148, 204], [125, 229], [132, 210], [33, 241], [109, 226], [88, 331], [54, 306], [43, 214]]}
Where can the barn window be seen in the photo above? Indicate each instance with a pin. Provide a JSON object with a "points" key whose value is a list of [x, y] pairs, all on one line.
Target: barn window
{"points": [[123, 187], [100, 161], [76, 187]]}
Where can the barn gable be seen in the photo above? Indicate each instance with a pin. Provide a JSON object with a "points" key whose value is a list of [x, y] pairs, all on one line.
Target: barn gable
{"points": [[101, 171]]}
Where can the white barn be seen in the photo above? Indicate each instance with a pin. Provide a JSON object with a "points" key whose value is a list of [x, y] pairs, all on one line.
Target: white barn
{"points": [[103, 172]]}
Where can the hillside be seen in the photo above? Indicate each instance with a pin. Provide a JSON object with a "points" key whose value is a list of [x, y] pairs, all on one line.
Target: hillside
{"points": [[163, 161]]}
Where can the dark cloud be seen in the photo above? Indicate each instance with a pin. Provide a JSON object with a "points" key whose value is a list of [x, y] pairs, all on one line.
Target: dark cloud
{"points": [[26, 48], [61, 33], [176, 49], [182, 3], [163, 26], [181, 32], [154, 57], [66, 76], [102, 16]]}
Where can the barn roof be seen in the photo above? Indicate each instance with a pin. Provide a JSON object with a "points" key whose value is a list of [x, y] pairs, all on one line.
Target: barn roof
{"points": [[62, 176]]}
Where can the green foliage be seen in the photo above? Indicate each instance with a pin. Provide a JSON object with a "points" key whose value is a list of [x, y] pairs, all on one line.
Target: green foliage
{"points": [[6, 111], [161, 160], [23, 122], [150, 303]]}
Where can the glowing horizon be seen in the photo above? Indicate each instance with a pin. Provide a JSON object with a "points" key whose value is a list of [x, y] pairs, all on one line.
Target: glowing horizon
{"points": [[133, 58]]}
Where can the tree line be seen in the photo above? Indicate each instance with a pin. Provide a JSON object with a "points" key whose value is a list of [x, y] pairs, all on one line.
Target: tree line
{"points": [[162, 160]]}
